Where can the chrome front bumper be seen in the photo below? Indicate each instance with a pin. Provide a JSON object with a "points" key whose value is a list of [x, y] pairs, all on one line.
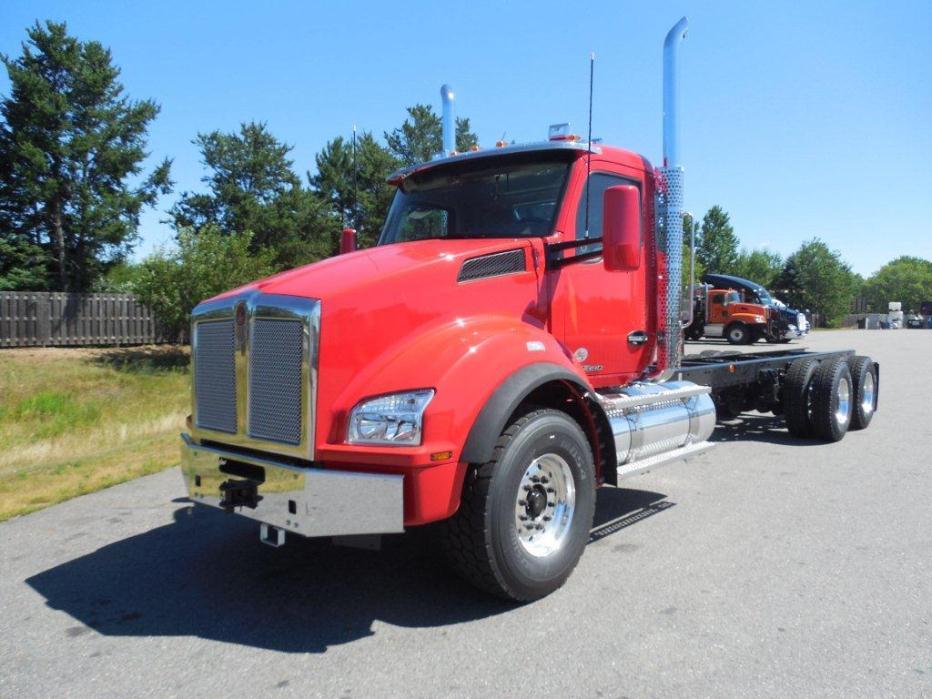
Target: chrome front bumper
{"points": [[306, 501]]}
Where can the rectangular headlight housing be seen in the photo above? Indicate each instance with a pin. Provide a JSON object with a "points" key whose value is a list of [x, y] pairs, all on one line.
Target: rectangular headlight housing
{"points": [[396, 418]]}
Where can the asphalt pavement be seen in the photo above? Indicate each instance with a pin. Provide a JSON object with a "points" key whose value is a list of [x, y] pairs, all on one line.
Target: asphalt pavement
{"points": [[768, 566]]}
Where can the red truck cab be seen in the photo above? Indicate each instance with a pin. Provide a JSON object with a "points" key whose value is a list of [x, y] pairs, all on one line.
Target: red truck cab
{"points": [[512, 342]]}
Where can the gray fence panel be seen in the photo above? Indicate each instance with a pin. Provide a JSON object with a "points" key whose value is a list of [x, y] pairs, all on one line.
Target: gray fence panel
{"points": [[34, 318]]}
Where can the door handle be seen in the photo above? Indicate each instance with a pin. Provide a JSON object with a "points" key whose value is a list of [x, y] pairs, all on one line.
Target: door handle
{"points": [[638, 337]]}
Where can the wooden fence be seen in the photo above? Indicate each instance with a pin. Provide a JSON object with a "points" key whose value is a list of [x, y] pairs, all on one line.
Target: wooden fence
{"points": [[39, 319]]}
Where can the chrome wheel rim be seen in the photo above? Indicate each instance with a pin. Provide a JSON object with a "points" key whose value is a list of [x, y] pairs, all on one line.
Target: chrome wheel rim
{"points": [[736, 334], [544, 505], [867, 394], [843, 411]]}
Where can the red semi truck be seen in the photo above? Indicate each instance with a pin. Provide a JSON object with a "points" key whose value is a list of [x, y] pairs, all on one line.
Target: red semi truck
{"points": [[489, 364]]}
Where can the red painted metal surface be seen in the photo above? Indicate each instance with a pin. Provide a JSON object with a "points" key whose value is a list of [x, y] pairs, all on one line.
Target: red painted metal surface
{"points": [[396, 318]]}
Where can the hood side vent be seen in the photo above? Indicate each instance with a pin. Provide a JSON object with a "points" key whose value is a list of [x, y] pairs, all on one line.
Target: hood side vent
{"points": [[495, 265]]}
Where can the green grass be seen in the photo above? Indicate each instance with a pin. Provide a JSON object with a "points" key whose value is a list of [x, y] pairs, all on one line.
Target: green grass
{"points": [[73, 421]]}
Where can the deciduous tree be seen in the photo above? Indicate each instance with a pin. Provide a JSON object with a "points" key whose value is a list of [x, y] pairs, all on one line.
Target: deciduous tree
{"points": [[905, 279], [817, 278], [203, 264], [717, 244], [761, 266]]}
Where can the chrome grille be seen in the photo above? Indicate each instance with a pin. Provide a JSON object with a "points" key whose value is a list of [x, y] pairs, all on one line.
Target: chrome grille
{"points": [[255, 372], [275, 370], [215, 375]]}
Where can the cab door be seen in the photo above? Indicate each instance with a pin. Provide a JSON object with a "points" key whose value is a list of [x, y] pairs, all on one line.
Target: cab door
{"points": [[601, 317]]}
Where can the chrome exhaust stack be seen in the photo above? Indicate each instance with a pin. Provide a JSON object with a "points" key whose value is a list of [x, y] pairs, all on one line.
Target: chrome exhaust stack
{"points": [[448, 121], [670, 212]]}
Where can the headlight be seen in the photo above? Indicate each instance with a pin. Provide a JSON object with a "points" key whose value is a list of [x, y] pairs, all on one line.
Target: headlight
{"points": [[393, 419], [760, 319]]}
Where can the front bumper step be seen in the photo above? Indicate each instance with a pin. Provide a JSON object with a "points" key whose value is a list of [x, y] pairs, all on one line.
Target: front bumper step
{"points": [[308, 501]]}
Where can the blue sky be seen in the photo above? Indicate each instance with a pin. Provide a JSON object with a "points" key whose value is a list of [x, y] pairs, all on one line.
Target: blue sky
{"points": [[800, 119]]}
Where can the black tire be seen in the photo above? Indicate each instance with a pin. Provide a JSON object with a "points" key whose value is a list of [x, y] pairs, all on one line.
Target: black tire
{"points": [[831, 416], [482, 540], [864, 379], [737, 334], [797, 385]]}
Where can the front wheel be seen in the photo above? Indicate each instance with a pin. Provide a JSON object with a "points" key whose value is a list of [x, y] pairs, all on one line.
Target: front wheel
{"points": [[738, 334], [524, 516]]}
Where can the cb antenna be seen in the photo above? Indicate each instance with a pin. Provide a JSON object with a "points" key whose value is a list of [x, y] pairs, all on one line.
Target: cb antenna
{"points": [[589, 142], [355, 189]]}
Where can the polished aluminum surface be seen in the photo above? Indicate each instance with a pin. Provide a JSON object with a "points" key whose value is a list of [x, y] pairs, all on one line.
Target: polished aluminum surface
{"points": [[265, 421], [306, 501], [448, 120], [650, 419], [670, 241], [671, 98], [867, 394], [635, 468], [843, 411], [670, 210], [543, 530]]}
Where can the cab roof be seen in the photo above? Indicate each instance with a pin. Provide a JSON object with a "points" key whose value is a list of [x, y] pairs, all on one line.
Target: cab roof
{"points": [[619, 155]]}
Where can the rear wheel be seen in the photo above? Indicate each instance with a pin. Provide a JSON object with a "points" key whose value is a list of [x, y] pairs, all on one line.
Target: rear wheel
{"points": [[832, 401], [738, 334], [797, 396], [524, 516], [864, 380]]}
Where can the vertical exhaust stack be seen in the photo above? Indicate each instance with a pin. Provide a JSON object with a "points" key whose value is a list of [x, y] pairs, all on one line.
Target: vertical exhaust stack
{"points": [[448, 121], [670, 209]]}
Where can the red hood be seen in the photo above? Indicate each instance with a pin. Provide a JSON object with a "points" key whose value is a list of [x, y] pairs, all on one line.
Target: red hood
{"points": [[379, 265]]}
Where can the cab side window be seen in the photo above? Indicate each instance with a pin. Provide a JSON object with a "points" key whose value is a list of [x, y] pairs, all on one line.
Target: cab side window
{"points": [[599, 182]]}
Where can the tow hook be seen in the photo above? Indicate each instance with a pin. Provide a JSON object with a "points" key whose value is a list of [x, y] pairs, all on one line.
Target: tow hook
{"points": [[235, 494], [272, 536]]}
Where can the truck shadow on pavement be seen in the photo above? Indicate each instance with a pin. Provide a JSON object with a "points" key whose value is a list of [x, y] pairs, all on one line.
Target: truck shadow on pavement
{"points": [[207, 575], [756, 427]]}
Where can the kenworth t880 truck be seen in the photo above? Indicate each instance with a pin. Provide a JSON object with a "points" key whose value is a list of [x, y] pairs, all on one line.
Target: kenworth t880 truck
{"points": [[489, 364]]}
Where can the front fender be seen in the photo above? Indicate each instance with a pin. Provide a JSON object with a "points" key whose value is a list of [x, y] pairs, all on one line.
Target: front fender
{"points": [[465, 362], [746, 318]]}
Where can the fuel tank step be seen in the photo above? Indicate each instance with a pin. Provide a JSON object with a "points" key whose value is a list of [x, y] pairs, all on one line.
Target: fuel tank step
{"points": [[651, 462]]}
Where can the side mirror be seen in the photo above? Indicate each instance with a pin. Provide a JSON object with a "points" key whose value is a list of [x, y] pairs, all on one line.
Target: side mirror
{"points": [[348, 240], [621, 228]]}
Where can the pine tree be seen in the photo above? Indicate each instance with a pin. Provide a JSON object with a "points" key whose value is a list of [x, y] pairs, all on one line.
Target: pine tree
{"points": [[71, 143], [420, 137], [252, 188]]}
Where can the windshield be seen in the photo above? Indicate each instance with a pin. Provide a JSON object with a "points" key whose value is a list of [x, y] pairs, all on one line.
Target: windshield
{"points": [[493, 197], [763, 296]]}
